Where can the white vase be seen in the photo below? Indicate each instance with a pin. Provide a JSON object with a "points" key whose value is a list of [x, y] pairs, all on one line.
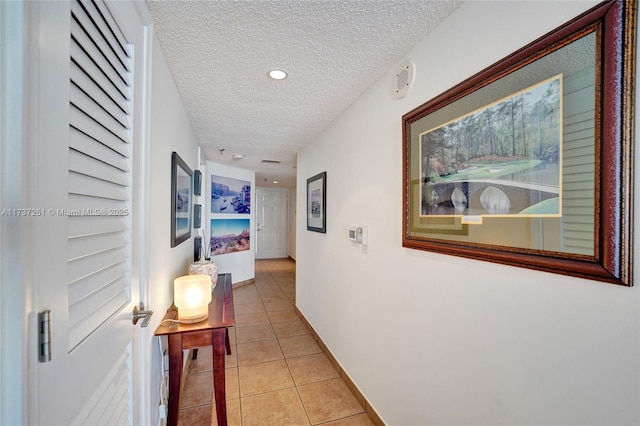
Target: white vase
{"points": [[205, 267]]}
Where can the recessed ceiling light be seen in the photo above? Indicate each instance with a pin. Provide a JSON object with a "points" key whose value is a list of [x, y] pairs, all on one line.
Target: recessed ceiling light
{"points": [[277, 74], [275, 181], [238, 156]]}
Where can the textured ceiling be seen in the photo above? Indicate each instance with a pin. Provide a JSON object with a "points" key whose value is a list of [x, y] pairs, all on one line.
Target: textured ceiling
{"points": [[333, 50]]}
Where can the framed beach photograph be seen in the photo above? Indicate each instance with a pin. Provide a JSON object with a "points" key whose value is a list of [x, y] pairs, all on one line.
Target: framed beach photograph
{"points": [[231, 196], [528, 163], [316, 203], [229, 236], [181, 190]]}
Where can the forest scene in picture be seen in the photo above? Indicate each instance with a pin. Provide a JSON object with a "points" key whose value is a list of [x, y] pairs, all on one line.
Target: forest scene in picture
{"points": [[229, 236], [503, 159]]}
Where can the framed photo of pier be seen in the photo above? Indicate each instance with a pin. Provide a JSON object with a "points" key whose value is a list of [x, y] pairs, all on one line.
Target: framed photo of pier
{"points": [[181, 190], [528, 162]]}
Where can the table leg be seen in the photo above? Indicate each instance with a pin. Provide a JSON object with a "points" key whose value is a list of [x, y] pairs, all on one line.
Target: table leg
{"points": [[175, 371], [219, 346]]}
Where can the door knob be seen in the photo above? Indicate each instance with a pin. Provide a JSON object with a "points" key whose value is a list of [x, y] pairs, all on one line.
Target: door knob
{"points": [[140, 313]]}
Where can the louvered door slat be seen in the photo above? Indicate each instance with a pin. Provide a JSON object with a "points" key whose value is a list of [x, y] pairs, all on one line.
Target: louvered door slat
{"points": [[87, 85], [114, 27], [122, 418], [93, 283], [80, 58], [106, 391], [82, 184], [85, 266], [88, 166], [113, 414], [86, 44], [95, 225], [90, 107], [85, 124], [79, 202], [91, 9], [95, 310], [93, 39], [104, 411], [91, 244], [93, 148]]}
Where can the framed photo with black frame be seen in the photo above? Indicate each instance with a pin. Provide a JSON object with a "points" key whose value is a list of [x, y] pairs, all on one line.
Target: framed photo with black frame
{"points": [[197, 216], [181, 190], [197, 182], [317, 203]]}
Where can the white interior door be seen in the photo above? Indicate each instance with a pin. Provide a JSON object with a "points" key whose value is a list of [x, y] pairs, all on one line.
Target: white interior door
{"points": [[84, 268], [271, 223]]}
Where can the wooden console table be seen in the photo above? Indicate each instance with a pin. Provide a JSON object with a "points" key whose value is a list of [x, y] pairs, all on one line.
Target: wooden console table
{"points": [[211, 332]]}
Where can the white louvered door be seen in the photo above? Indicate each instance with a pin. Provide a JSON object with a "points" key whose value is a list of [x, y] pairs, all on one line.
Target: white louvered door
{"points": [[83, 270]]}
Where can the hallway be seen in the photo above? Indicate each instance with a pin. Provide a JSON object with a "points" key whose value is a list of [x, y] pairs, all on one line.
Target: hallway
{"points": [[276, 374]]}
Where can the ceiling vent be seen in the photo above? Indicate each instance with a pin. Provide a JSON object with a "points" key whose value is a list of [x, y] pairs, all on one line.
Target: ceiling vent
{"points": [[271, 161]]}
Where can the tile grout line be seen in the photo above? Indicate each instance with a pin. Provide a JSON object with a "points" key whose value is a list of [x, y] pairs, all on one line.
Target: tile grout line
{"points": [[295, 385]]}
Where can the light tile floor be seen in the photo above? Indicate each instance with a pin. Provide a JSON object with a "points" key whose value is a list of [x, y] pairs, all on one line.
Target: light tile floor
{"points": [[276, 374]]}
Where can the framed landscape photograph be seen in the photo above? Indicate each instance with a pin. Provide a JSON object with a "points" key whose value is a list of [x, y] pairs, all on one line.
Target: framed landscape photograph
{"points": [[529, 162], [316, 203], [181, 190], [229, 236]]}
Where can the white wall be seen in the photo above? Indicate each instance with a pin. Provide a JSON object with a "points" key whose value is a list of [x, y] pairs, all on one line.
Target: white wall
{"points": [[241, 265], [170, 131], [435, 339], [292, 215]]}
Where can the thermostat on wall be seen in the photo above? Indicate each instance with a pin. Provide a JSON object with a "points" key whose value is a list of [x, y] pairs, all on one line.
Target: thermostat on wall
{"points": [[358, 234]]}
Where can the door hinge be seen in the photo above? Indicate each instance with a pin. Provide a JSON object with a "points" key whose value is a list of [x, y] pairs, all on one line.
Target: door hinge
{"points": [[44, 336]]}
